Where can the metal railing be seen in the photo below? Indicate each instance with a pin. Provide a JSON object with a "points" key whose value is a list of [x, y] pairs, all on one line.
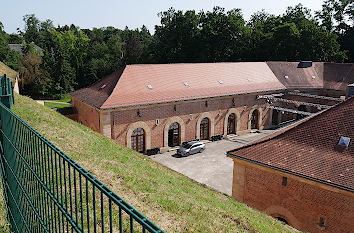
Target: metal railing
{"points": [[46, 191]]}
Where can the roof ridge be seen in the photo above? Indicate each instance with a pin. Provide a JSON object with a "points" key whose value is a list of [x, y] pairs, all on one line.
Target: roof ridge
{"points": [[187, 63]]}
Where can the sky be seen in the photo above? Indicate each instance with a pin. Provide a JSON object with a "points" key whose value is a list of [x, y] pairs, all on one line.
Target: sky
{"points": [[131, 13]]}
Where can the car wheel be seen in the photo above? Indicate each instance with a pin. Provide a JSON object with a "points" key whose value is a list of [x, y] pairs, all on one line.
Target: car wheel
{"points": [[201, 150], [187, 154]]}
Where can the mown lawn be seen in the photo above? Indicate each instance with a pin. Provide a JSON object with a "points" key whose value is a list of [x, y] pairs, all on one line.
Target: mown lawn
{"points": [[172, 201], [65, 99], [56, 105]]}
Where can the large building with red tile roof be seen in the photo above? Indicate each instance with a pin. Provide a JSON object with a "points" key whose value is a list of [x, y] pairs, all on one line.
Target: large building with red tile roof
{"points": [[303, 174], [162, 105]]}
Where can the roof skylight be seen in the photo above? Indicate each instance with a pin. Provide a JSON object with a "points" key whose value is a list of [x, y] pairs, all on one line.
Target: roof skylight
{"points": [[220, 81], [286, 77], [103, 86], [249, 79], [344, 141], [313, 77], [149, 86], [186, 84]]}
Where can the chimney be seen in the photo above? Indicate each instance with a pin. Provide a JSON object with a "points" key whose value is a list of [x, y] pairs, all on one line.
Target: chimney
{"points": [[304, 64]]}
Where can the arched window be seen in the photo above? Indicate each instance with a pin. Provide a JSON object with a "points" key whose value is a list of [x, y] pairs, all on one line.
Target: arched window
{"points": [[204, 129], [255, 119], [138, 140], [174, 135], [231, 124]]}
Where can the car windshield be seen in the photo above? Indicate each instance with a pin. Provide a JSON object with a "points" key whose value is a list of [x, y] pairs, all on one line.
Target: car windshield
{"points": [[187, 146]]}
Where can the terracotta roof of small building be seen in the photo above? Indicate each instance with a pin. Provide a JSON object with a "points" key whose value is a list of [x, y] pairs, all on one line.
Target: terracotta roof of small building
{"points": [[309, 148], [158, 83]]}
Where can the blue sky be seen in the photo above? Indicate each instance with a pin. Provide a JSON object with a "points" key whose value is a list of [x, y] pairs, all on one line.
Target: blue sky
{"points": [[131, 13]]}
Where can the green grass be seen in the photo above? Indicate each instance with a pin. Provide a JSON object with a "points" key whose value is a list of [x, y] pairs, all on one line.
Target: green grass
{"points": [[172, 201], [4, 224], [65, 98], [56, 105]]}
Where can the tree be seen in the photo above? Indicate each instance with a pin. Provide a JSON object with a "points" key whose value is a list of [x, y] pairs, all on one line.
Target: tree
{"points": [[34, 80], [9, 57], [338, 16], [133, 49], [177, 37], [32, 25], [224, 35]]}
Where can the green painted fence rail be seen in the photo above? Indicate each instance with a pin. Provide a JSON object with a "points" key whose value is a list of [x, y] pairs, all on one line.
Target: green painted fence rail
{"points": [[46, 191]]}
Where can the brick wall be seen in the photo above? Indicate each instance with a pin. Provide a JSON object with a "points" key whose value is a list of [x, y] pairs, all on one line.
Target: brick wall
{"points": [[121, 120], [86, 114], [301, 203], [218, 109]]}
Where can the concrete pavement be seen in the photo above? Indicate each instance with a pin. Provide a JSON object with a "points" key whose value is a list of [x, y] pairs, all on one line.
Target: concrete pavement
{"points": [[210, 167]]}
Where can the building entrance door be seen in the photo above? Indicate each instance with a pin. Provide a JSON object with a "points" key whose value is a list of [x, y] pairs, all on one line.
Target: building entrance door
{"points": [[204, 129], [173, 135], [254, 119], [231, 124], [138, 140]]}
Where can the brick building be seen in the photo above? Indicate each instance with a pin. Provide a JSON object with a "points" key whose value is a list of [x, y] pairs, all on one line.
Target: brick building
{"points": [[303, 175], [163, 105]]}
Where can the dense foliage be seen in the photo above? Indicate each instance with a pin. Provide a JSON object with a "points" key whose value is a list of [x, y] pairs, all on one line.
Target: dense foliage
{"points": [[73, 58]]}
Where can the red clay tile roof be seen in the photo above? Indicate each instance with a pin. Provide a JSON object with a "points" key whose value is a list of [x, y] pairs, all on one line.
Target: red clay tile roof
{"points": [[129, 86], [327, 75], [308, 148], [338, 76], [168, 82], [95, 95], [298, 77]]}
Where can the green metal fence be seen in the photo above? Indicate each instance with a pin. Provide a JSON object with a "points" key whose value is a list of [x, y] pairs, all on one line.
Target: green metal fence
{"points": [[46, 191]]}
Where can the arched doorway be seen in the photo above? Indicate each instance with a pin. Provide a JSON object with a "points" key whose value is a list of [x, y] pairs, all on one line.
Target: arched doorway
{"points": [[204, 129], [303, 109], [255, 119], [138, 140], [174, 135], [231, 124]]}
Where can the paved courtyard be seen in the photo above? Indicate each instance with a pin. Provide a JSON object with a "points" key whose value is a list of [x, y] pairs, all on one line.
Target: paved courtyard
{"points": [[210, 167]]}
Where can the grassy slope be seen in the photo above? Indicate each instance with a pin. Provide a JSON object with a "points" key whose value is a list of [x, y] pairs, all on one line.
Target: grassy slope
{"points": [[4, 69], [172, 201], [4, 224]]}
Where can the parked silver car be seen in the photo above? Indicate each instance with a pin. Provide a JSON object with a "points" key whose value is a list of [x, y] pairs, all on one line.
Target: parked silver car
{"points": [[190, 148]]}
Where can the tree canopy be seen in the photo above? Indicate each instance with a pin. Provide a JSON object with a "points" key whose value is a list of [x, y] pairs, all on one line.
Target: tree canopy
{"points": [[73, 58]]}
